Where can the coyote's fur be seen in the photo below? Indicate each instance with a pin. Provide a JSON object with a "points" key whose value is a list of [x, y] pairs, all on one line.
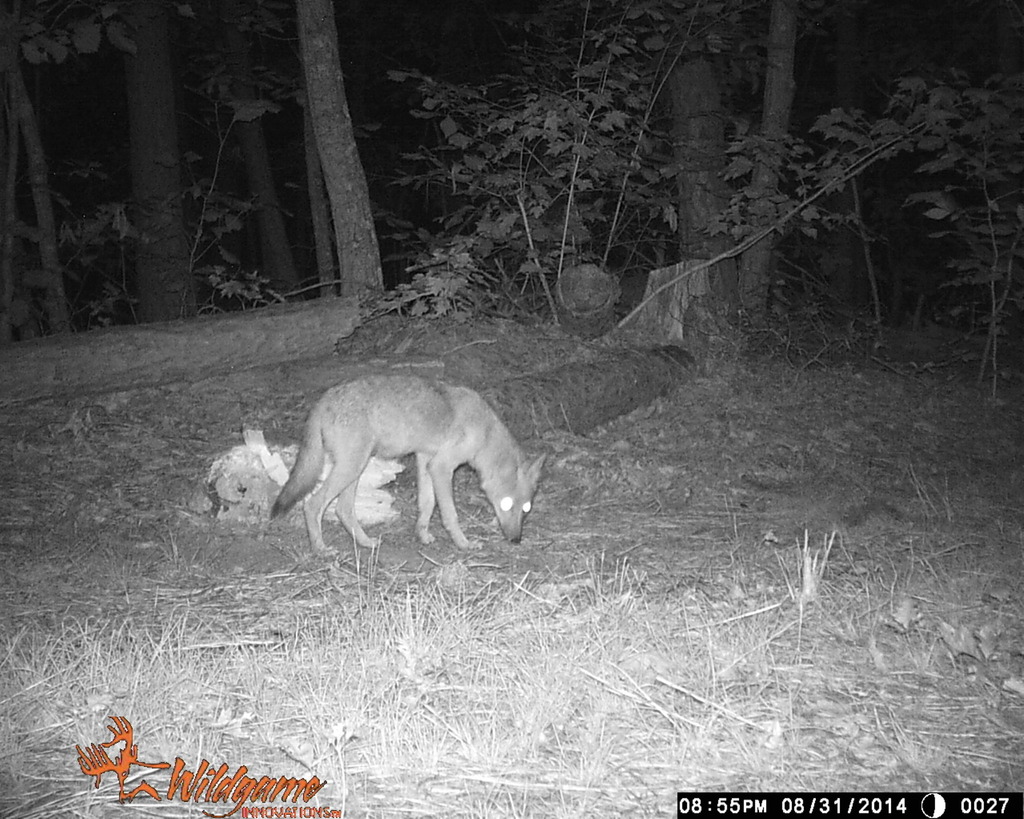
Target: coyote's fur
{"points": [[394, 415]]}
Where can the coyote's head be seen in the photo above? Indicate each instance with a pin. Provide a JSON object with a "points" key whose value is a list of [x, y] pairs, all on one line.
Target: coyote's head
{"points": [[511, 492]]}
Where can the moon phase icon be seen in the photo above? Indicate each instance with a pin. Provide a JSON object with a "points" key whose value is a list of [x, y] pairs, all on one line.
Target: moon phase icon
{"points": [[933, 805]]}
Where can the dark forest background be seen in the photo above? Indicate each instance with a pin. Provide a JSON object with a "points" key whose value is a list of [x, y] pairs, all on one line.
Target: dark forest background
{"points": [[877, 151]]}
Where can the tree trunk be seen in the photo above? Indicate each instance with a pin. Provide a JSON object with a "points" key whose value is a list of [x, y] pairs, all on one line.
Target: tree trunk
{"points": [[1008, 40], [275, 249], [55, 301], [846, 265], [687, 302], [699, 149], [9, 168], [356, 241], [163, 272], [698, 146], [318, 210], [119, 358], [755, 265]]}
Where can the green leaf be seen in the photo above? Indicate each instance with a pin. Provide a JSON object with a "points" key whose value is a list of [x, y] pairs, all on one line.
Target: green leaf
{"points": [[86, 37], [250, 110], [119, 38], [449, 127]]}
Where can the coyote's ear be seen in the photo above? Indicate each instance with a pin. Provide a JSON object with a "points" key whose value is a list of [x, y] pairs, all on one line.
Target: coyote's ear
{"points": [[535, 467]]}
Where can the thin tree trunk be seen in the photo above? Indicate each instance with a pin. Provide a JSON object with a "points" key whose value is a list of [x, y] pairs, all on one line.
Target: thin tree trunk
{"points": [[356, 241], [56, 303], [849, 263], [778, 100], [1008, 40], [318, 210], [275, 248], [9, 165], [166, 289]]}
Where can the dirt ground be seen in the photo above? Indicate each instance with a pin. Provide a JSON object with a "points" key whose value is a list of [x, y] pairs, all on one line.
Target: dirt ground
{"points": [[911, 468]]}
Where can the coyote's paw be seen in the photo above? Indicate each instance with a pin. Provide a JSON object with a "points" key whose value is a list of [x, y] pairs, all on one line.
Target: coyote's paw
{"points": [[467, 545], [318, 547], [425, 537]]}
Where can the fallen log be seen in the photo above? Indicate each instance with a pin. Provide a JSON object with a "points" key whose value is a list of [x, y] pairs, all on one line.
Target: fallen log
{"points": [[581, 395], [150, 354]]}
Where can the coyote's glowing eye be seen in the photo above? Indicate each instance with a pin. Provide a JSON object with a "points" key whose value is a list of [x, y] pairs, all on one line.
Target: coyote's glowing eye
{"points": [[527, 507], [505, 504]]}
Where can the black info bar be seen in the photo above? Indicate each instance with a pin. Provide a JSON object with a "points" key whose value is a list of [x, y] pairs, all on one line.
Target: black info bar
{"points": [[895, 804]]}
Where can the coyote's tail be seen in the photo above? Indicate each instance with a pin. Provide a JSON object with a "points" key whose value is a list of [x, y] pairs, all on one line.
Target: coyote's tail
{"points": [[304, 475]]}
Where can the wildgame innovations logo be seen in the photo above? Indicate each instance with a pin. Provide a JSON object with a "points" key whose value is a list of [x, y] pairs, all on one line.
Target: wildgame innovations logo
{"points": [[205, 785]]}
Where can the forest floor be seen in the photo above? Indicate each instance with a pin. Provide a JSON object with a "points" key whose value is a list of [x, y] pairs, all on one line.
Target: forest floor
{"points": [[780, 577]]}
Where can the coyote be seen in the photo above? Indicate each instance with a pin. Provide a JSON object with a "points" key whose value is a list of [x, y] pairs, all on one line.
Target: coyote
{"points": [[394, 415]]}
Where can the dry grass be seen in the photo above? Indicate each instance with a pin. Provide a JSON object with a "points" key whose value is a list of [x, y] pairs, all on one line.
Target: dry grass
{"points": [[585, 695]]}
